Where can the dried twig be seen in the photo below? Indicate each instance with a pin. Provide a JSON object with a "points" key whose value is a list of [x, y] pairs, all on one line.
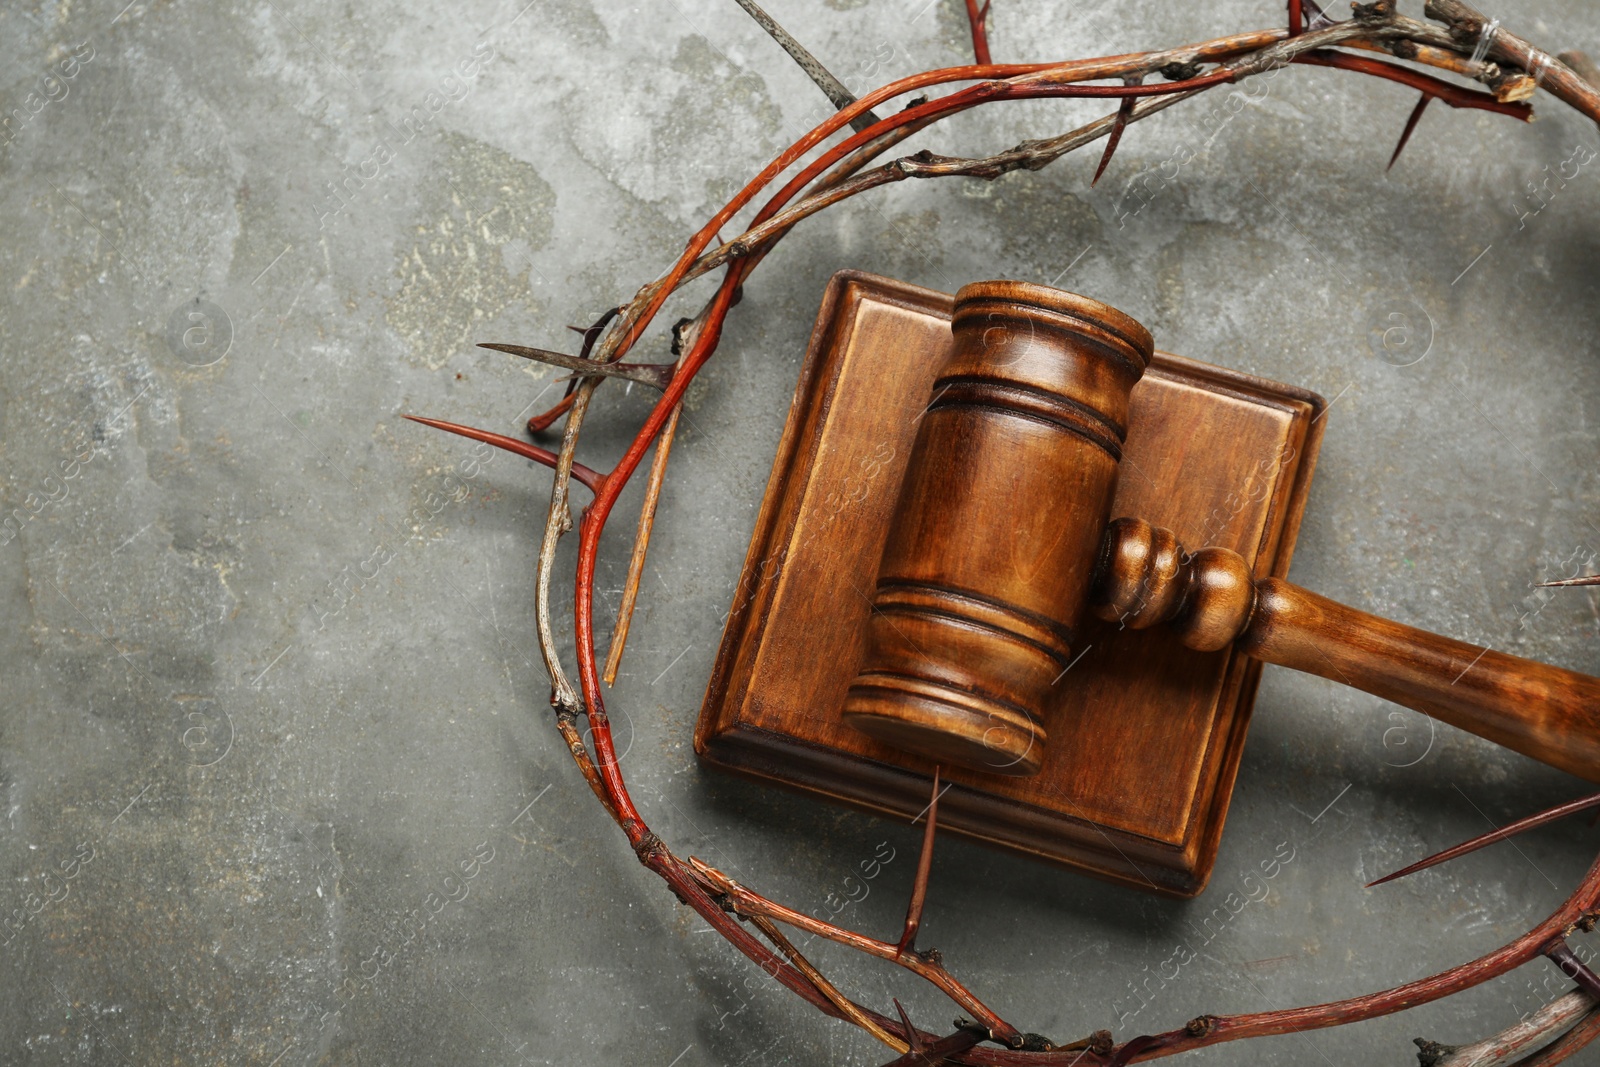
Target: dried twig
{"points": [[1550, 1021], [1552, 75], [1581, 65], [926, 965], [826, 988], [1428, 55], [647, 517], [567, 726], [1567, 1045], [831, 87]]}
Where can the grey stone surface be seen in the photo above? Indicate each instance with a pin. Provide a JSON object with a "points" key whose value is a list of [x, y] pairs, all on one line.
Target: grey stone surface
{"points": [[279, 785]]}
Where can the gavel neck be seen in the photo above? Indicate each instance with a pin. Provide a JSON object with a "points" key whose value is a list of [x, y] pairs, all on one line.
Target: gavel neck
{"points": [[1145, 577]]}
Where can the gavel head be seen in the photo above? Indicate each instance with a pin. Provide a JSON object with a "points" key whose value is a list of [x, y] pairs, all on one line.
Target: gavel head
{"points": [[994, 541]]}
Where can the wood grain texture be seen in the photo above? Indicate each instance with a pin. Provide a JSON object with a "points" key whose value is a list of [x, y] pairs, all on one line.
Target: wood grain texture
{"points": [[1001, 514], [1145, 733], [1541, 711], [1208, 600]]}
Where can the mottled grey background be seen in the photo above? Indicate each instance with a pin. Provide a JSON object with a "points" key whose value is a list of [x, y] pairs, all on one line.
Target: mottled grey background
{"points": [[270, 694]]}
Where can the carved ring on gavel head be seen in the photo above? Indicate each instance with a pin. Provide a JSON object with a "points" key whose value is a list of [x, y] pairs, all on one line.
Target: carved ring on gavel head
{"points": [[1000, 540]]}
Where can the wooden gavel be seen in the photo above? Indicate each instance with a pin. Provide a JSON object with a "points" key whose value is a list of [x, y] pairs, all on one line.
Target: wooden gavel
{"points": [[1001, 538]]}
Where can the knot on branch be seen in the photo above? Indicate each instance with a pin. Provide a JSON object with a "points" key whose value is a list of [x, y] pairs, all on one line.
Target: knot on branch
{"points": [[1037, 1043], [961, 1022], [933, 957], [677, 334], [1378, 11], [1431, 1052], [1200, 1025], [1587, 922], [1180, 72], [1464, 23], [650, 848]]}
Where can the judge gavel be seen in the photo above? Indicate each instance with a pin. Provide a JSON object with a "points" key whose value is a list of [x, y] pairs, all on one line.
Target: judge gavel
{"points": [[1001, 538]]}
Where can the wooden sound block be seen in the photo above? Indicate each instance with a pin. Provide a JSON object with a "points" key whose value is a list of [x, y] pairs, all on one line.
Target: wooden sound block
{"points": [[1145, 734]]}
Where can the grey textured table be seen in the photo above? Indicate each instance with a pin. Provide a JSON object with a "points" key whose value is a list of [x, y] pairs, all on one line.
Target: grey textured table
{"points": [[270, 695]]}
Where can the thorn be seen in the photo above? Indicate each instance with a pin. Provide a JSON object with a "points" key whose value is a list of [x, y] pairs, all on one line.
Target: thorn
{"points": [[942, 1050], [1560, 953], [656, 374], [540, 423], [594, 480], [1411, 124], [919, 886], [1568, 583], [1560, 811], [839, 96], [1124, 112], [912, 1037]]}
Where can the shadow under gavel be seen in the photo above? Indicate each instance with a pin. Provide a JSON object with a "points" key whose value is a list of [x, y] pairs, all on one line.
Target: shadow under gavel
{"points": [[1002, 539]]}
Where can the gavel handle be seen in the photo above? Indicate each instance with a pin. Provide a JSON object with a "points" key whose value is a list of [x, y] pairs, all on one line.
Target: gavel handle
{"points": [[1545, 712]]}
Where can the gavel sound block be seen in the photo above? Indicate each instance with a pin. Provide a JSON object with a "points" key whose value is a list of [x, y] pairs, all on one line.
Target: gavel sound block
{"points": [[1144, 734]]}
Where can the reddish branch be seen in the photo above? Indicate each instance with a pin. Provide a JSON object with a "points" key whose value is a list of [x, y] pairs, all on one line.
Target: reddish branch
{"points": [[1579, 908], [832, 176], [978, 18], [1454, 95]]}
